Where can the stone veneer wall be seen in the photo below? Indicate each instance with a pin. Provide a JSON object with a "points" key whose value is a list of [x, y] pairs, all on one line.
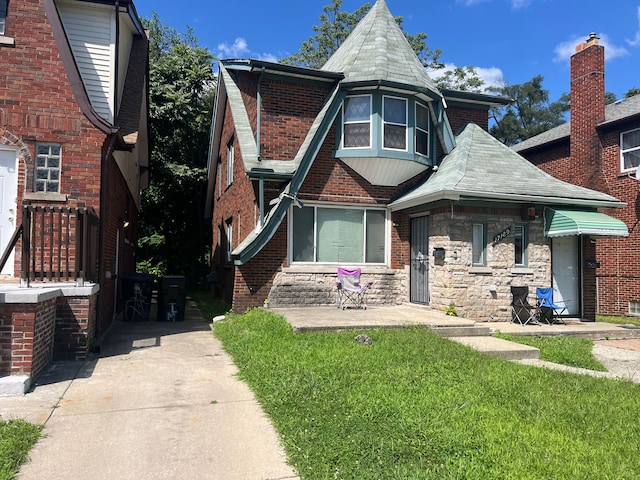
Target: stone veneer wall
{"points": [[316, 285], [470, 288]]}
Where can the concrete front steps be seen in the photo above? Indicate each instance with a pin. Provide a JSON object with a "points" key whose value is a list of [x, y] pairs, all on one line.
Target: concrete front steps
{"points": [[479, 338]]}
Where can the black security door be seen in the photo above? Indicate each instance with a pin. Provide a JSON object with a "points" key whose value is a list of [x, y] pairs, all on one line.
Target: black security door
{"points": [[420, 260]]}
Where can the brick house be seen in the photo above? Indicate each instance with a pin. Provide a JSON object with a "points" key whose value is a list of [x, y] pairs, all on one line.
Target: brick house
{"points": [[599, 148], [73, 157], [357, 164]]}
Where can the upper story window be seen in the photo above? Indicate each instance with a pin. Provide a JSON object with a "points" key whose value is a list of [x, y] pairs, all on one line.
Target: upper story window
{"points": [[394, 114], [357, 122], [629, 150], [3, 15], [47, 169], [230, 162], [422, 130], [379, 125]]}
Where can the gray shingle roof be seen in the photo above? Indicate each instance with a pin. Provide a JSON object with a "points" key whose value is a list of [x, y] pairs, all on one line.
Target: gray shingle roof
{"points": [[614, 112], [377, 50], [482, 167]]}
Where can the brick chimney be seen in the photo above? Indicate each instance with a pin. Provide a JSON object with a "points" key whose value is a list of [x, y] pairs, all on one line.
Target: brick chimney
{"points": [[587, 111]]}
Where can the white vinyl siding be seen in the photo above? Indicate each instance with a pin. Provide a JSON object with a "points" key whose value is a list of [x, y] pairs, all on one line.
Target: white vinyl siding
{"points": [[91, 34]]}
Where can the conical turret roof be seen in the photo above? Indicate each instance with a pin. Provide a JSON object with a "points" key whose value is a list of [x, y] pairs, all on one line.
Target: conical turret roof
{"points": [[377, 51]]}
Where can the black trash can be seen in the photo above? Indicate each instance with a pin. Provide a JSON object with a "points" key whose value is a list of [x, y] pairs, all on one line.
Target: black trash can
{"points": [[172, 298], [136, 292]]}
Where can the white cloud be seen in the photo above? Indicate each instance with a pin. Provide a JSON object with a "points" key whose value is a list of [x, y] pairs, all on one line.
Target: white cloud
{"points": [[240, 49], [515, 4], [565, 50], [636, 41], [235, 50]]}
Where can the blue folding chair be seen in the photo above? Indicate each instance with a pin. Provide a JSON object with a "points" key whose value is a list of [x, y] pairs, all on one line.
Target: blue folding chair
{"points": [[548, 311]]}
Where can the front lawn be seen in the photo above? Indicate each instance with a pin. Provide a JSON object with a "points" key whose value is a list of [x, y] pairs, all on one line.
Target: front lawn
{"points": [[17, 437], [413, 405]]}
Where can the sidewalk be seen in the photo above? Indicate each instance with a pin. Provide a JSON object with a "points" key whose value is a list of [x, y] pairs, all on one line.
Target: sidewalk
{"points": [[161, 401]]}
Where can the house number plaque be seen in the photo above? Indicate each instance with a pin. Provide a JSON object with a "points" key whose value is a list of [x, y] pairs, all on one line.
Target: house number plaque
{"points": [[502, 235]]}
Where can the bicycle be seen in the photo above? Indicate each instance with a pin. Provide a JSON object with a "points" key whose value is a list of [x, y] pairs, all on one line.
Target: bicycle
{"points": [[136, 308]]}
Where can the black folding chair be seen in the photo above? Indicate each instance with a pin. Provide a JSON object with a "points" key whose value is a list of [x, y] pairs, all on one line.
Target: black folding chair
{"points": [[522, 311]]}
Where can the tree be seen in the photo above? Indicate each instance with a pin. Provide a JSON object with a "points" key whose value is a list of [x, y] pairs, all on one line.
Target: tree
{"points": [[529, 114], [181, 92], [631, 92], [464, 79]]}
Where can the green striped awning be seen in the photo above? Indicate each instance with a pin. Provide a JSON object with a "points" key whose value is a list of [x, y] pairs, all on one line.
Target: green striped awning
{"points": [[560, 223]]}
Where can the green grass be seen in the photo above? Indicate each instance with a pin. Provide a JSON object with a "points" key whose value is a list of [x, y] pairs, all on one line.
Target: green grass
{"points": [[619, 320], [413, 405], [208, 305], [572, 351], [17, 437]]}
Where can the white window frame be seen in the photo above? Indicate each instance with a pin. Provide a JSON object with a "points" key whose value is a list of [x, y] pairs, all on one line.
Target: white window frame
{"points": [[345, 123], [51, 171], [315, 234], [230, 161], [474, 245], [417, 129], [4, 7], [623, 169], [228, 228], [405, 124]]}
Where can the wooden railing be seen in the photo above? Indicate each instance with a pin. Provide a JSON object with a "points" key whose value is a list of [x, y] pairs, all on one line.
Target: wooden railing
{"points": [[59, 244]]}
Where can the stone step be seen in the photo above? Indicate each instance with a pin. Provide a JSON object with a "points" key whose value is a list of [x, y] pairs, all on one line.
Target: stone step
{"points": [[499, 347], [462, 331]]}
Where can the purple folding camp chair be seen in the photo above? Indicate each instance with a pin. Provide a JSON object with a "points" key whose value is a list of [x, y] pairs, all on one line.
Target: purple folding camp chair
{"points": [[350, 290]]}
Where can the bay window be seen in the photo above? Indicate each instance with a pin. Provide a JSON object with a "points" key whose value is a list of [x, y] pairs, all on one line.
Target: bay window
{"points": [[357, 122], [394, 114], [422, 130], [352, 235]]}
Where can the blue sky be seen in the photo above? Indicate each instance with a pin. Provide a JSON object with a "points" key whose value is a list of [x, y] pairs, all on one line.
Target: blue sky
{"points": [[506, 40]]}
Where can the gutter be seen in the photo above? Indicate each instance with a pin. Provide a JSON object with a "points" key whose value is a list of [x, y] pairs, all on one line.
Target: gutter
{"points": [[498, 197]]}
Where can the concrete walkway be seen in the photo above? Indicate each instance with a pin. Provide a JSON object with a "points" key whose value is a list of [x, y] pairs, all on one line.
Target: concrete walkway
{"points": [[161, 401], [617, 347]]}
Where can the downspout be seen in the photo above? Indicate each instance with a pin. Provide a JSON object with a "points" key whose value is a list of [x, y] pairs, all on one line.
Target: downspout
{"points": [[258, 121]]}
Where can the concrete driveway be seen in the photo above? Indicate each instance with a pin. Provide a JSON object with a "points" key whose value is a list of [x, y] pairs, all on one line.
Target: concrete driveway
{"points": [[161, 401]]}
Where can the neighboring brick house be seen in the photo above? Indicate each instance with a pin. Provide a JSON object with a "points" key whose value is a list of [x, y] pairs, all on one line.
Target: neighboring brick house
{"points": [[357, 165], [73, 157], [599, 148]]}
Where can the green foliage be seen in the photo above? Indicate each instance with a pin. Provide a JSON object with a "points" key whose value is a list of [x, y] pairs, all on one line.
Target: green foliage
{"points": [[464, 79], [209, 305], [17, 437], [173, 238], [413, 405], [572, 351], [619, 320], [529, 114], [451, 310], [336, 25], [632, 92]]}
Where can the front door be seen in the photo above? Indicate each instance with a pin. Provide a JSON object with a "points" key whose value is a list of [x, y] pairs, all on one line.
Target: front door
{"points": [[420, 260], [8, 194], [565, 271]]}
